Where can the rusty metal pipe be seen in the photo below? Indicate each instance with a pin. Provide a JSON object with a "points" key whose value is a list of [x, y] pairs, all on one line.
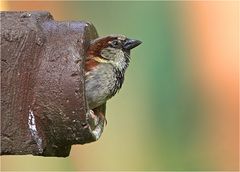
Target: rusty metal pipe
{"points": [[43, 106]]}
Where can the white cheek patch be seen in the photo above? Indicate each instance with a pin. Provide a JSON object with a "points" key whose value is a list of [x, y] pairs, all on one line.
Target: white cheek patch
{"points": [[108, 53], [114, 56]]}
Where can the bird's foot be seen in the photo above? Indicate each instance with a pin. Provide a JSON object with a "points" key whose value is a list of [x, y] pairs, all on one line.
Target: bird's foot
{"points": [[93, 119], [95, 124], [102, 117]]}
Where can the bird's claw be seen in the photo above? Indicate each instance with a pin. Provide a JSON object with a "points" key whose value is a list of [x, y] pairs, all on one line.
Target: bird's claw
{"points": [[96, 124], [94, 118]]}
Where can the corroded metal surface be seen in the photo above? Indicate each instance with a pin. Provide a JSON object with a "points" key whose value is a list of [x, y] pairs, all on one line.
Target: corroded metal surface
{"points": [[43, 107]]}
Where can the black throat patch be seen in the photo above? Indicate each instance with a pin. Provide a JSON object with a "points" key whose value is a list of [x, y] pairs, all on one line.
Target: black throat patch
{"points": [[119, 81], [119, 74]]}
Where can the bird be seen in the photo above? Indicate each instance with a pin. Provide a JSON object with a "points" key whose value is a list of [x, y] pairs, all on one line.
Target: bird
{"points": [[107, 59]]}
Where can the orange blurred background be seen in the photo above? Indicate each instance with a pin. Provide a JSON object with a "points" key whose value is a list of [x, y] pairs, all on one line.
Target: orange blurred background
{"points": [[197, 126]]}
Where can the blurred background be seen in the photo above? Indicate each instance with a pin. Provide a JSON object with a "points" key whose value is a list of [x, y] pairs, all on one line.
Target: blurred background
{"points": [[178, 108]]}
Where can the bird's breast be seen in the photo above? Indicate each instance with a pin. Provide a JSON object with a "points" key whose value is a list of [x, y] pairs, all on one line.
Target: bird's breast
{"points": [[102, 83]]}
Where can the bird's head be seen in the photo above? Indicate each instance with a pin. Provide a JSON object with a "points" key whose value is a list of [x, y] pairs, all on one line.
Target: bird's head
{"points": [[112, 49]]}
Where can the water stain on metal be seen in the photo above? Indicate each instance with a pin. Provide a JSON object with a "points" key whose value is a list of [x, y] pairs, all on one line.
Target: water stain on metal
{"points": [[25, 15], [33, 130]]}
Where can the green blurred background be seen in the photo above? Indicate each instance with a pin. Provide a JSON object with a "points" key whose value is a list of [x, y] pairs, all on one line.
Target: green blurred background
{"points": [[178, 108]]}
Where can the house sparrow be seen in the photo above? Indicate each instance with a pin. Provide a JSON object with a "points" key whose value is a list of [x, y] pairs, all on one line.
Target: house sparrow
{"points": [[107, 59]]}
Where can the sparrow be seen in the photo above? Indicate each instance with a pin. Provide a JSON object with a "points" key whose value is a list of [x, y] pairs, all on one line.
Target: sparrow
{"points": [[107, 59]]}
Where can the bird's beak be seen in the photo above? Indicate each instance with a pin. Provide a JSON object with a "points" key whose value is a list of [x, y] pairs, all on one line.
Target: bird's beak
{"points": [[131, 43]]}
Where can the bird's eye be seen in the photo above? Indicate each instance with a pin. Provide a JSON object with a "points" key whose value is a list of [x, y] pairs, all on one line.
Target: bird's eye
{"points": [[115, 43]]}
